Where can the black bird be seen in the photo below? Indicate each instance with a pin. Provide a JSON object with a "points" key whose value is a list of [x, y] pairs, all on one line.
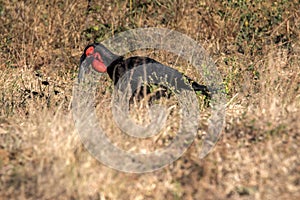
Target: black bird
{"points": [[103, 60]]}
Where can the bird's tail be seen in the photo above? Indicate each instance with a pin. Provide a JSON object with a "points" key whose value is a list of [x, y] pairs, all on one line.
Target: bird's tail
{"points": [[201, 88]]}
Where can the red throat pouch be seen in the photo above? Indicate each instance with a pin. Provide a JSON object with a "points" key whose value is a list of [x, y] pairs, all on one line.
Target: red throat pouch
{"points": [[98, 63], [99, 66]]}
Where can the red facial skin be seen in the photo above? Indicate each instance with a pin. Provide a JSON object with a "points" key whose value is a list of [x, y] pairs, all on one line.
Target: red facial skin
{"points": [[97, 63]]}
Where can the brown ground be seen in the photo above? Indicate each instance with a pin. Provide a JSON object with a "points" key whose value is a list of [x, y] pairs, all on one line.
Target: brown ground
{"points": [[256, 47]]}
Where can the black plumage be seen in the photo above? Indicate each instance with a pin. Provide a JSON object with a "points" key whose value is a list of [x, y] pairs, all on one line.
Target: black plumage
{"points": [[103, 60]]}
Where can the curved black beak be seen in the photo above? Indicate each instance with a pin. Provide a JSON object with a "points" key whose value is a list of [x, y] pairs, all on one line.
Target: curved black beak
{"points": [[84, 68]]}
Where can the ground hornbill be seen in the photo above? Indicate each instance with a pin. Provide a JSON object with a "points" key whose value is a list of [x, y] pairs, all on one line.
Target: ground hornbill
{"points": [[103, 60]]}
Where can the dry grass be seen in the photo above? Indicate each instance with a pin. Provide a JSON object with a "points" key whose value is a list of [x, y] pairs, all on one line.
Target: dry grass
{"points": [[256, 47]]}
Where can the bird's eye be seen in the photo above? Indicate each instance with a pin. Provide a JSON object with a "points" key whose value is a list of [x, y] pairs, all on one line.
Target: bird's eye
{"points": [[89, 51]]}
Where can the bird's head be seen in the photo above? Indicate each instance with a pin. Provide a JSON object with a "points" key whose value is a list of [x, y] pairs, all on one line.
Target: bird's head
{"points": [[96, 55]]}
